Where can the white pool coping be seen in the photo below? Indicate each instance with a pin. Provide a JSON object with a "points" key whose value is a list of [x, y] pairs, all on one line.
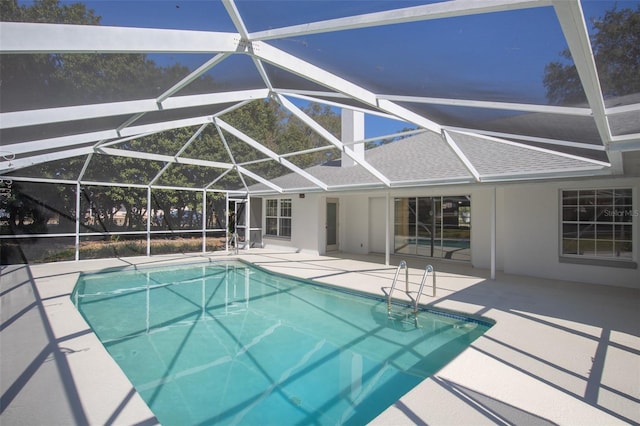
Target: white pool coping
{"points": [[559, 353]]}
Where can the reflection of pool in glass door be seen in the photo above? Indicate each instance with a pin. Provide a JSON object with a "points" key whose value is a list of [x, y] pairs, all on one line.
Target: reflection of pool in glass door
{"points": [[426, 219], [433, 227]]}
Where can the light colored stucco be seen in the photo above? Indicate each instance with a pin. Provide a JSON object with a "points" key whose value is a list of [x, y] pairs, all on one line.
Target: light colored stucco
{"points": [[527, 231]]}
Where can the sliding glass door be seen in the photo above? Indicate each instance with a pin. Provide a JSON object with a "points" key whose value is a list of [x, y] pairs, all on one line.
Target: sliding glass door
{"points": [[437, 227]]}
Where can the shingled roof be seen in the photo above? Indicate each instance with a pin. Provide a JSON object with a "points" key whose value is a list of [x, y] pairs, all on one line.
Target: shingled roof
{"points": [[428, 159]]}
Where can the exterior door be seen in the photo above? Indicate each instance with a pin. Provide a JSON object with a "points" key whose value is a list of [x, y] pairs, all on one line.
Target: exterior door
{"points": [[332, 225], [237, 222], [433, 226]]}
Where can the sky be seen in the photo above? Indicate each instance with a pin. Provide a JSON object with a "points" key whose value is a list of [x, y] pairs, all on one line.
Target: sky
{"points": [[492, 57]]}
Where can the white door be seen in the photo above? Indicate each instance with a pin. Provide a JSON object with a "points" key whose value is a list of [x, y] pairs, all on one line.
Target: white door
{"points": [[332, 224]]}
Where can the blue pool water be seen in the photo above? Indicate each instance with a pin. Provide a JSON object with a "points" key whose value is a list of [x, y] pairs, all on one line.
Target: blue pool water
{"points": [[450, 243], [229, 343]]}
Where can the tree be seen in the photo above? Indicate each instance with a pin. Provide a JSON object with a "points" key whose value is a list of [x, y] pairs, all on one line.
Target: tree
{"points": [[616, 48], [49, 80], [299, 136], [617, 45], [27, 79], [30, 206]]}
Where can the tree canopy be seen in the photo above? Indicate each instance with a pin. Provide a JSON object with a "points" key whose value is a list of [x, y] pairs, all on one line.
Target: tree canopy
{"points": [[50, 80], [616, 48]]}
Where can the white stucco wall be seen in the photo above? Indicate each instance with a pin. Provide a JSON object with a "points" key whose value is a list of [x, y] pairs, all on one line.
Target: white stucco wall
{"points": [[377, 224], [356, 224], [527, 232], [305, 233], [530, 225], [481, 208]]}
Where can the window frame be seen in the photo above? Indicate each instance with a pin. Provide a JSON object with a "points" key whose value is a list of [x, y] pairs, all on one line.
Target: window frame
{"points": [[278, 217], [448, 218], [596, 212]]}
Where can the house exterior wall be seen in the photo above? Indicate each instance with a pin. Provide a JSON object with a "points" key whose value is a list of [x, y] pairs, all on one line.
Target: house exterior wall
{"points": [[527, 227], [356, 221], [377, 224], [305, 231], [482, 201], [531, 234]]}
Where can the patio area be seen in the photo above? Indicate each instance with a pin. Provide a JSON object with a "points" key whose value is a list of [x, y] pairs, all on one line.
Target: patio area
{"points": [[559, 353]]}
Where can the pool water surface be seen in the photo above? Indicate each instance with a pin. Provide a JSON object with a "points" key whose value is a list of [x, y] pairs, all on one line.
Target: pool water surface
{"points": [[229, 343]]}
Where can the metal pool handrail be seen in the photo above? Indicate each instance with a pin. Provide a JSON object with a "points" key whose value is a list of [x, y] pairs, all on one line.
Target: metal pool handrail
{"points": [[402, 264], [427, 269]]}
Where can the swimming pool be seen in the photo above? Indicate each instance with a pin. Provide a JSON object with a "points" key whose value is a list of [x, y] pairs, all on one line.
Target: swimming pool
{"points": [[230, 343]]}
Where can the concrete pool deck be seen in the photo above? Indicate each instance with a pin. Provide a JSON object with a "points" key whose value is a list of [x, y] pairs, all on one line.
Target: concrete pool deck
{"points": [[560, 352]]}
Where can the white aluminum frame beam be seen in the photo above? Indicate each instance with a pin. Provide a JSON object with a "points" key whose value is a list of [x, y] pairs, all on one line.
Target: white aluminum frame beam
{"points": [[624, 143], [59, 142], [621, 109], [312, 96], [547, 141], [297, 66], [20, 163], [128, 138], [233, 160], [192, 76], [86, 112], [508, 106], [547, 174], [108, 184], [21, 37], [149, 156], [260, 179], [84, 167], [538, 149], [493, 231], [165, 125], [263, 73], [571, 17], [318, 75], [241, 170], [409, 14], [236, 18], [461, 155], [83, 138], [180, 151], [258, 146], [324, 133]]}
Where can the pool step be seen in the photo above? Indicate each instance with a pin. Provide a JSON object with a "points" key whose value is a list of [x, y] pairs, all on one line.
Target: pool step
{"points": [[404, 319]]}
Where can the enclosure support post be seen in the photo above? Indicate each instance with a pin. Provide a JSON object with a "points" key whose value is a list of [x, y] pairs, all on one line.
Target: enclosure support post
{"points": [[493, 233], [247, 224], [386, 230], [226, 222], [148, 220], [78, 192], [204, 221], [78, 189]]}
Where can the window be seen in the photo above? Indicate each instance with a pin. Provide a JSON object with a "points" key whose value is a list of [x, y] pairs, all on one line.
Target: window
{"points": [[278, 218], [598, 223], [433, 226]]}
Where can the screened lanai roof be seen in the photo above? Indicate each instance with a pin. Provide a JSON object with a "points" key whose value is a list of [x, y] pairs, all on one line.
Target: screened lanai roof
{"points": [[461, 88]]}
